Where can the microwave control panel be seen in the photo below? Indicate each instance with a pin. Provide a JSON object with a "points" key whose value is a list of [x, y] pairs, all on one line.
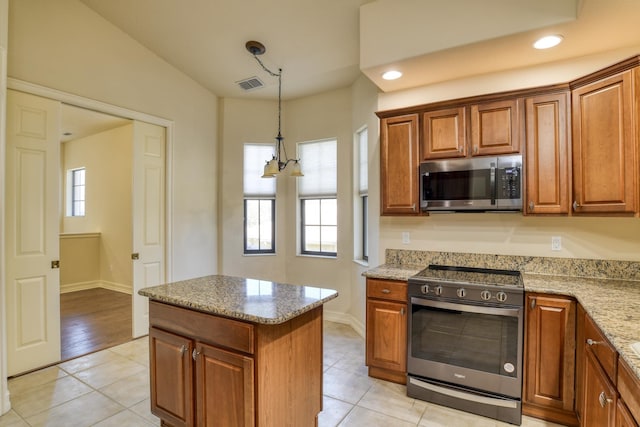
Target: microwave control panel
{"points": [[509, 183]]}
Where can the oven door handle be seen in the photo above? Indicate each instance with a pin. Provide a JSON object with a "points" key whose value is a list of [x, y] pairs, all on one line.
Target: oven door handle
{"points": [[500, 311]]}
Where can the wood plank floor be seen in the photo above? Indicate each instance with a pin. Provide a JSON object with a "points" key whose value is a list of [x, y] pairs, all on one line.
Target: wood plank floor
{"points": [[92, 320]]}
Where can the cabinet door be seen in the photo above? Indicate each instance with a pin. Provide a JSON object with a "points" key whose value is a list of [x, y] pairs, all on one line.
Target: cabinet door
{"points": [[224, 388], [600, 397], [623, 416], [495, 128], [604, 146], [171, 373], [399, 165], [547, 148], [444, 134], [387, 335], [549, 361]]}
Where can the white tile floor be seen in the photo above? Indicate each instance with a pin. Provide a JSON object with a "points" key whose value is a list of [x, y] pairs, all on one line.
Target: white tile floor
{"points": [[111, 389]]}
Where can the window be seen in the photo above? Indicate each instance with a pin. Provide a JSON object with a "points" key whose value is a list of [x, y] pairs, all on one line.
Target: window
{"points": [[317, 191], [362, 170], [259, 201], [76, 192]]}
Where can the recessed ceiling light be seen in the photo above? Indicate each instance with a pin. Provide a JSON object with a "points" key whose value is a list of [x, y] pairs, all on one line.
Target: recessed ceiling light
{"points": [[391, 75], [547, 42]]}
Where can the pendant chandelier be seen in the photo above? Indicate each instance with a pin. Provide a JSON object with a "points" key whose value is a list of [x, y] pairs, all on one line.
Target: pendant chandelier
{"points": [[280, 160]]}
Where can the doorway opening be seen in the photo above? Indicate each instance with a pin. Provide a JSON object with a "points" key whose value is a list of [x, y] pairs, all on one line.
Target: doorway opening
{"points": [[96, 275]]}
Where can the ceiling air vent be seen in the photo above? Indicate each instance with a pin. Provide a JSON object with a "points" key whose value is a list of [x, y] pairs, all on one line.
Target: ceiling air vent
{"points": [[251, 83]]}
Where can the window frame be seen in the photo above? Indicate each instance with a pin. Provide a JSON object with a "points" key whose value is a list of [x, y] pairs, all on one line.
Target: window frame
{"points": [[72, 211], [303, 225], [258, 195], [258, 251]]}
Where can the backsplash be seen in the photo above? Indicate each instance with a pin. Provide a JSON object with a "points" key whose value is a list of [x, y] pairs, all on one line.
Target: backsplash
{"points": [[611, 269]]}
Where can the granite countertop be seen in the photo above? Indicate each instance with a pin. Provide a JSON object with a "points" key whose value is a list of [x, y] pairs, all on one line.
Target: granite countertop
{"points": [[252, 300], [613, 304]]}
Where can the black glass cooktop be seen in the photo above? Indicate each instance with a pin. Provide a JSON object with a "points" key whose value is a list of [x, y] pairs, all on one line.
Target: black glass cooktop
{"points": [[464, 275]]}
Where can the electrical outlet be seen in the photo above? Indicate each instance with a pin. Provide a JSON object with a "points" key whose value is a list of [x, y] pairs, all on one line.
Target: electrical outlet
{"points": [[556, 243], [406, 237]]}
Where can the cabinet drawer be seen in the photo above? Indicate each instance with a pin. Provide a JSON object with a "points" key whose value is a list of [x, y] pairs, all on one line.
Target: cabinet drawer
{"points": [[602, 349], [629, 388], [211, 329], [387, 289]]}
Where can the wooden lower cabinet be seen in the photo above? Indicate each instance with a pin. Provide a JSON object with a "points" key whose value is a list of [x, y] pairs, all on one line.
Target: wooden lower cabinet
{"points": [[386, 342], [213, 371], [549, 361], [623, 416], [600, 396], [171, 374]]}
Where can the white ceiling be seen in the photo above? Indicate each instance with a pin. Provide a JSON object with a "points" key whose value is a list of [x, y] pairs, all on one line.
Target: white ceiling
{"points": [[326, 44]]}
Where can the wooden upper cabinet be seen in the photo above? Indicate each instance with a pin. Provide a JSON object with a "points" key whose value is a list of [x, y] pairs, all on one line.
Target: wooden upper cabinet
{"points": [[604, 146], [399, 165], [547, 154], [444, 134], [495, 127]]}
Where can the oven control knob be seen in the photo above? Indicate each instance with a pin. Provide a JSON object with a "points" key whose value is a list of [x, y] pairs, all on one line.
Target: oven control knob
{"points": [[501, 296], [425, 289], [461, 293], [485, 295], [438, 290]]}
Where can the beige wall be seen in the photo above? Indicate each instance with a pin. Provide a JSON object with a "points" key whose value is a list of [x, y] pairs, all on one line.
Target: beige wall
{"points": [[512, 234], [64, 45], [108, 159], [79, 261], [327, 115]]}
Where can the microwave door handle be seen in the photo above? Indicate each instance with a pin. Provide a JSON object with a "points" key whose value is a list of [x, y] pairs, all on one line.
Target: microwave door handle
{"points": [[493, 185]]}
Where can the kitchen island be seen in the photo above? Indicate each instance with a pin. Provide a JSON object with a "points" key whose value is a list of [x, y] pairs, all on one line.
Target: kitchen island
{"points": [[234, 351]]}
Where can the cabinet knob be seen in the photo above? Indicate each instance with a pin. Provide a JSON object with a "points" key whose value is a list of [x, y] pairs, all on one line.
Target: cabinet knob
{"points": [[532, 304], [460, 149], [475, 149], [576, 205], [195, 354], [592, 342], [604, 400], [183, 350], [402, 311], [531, 205]]}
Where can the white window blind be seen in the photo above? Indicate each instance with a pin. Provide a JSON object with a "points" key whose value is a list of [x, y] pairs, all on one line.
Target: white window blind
{"points": [[320, 168], [363, 178], [255, 157]]}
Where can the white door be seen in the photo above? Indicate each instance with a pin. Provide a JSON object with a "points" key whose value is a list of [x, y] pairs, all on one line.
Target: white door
{"points": [[148, 217], [32, 231]]}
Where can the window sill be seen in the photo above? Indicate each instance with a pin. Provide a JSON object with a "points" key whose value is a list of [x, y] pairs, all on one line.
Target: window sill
{"points": [[318, 256], [361, 262]]}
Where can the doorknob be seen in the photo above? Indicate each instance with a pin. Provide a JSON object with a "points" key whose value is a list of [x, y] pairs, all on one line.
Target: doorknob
{"points": [[135, 256], [55, 264]]}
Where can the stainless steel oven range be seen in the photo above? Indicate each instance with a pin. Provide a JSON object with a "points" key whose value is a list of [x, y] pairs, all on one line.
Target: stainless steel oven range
{"points": [[465, 340]]}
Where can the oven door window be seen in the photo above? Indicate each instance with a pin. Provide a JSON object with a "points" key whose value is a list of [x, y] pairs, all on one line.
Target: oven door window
{"points": [[478, 341], [457, 185]]}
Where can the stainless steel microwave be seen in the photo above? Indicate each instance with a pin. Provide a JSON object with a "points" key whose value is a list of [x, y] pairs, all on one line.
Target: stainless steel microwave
{"points": [[473, 184]]}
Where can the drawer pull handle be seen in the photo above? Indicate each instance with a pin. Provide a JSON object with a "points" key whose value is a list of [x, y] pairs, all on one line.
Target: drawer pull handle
{"points": [[402, 311], [604, 400], [386, 291], [183, 350], [592, 342]]}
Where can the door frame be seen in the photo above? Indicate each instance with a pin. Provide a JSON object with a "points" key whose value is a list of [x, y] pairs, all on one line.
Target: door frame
{"points": [[91, 104]]}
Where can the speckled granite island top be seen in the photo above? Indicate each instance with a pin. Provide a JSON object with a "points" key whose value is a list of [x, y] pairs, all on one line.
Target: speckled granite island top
{"points": [[614, 304], [252, 300]]}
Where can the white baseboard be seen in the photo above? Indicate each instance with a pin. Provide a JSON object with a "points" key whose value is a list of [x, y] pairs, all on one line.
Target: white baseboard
{"points": [[82, 286], [347, 319], [79, 286], [118, 287]]}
